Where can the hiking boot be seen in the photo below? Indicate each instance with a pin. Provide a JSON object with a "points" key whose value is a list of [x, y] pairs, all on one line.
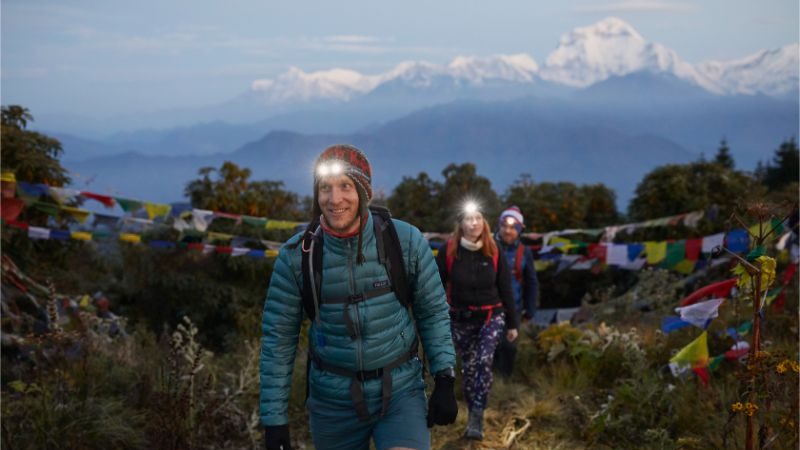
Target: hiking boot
{"points": [[474, 425]]}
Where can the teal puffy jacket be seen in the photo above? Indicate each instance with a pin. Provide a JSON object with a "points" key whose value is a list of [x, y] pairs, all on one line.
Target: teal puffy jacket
{"points": [[387, 330]]}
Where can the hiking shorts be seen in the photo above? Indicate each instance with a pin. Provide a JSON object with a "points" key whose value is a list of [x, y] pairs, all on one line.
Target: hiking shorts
{"points": [[403, 425]]}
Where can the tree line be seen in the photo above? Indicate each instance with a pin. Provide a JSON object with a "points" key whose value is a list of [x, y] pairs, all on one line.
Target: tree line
{"points": [[432, 204]]}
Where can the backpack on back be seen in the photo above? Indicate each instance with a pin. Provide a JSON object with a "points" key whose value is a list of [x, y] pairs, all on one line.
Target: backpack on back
{"points": [[390, 254]]}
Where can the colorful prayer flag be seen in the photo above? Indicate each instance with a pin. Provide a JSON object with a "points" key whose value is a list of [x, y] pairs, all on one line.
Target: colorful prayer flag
{"points": [[656, 251], [695, 354]]}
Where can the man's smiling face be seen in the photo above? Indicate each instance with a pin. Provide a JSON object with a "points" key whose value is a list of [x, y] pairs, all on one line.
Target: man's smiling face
{"points": [[338, 200]]}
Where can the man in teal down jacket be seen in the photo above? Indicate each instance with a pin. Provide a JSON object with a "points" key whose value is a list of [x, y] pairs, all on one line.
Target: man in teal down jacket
{"points": [[365, 378]]}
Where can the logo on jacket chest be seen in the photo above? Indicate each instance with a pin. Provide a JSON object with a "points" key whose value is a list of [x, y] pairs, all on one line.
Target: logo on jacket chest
{"points": [[380, 284]]}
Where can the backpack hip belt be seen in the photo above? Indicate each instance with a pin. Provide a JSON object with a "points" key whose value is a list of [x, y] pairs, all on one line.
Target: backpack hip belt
{"points": [[469, 310], [358, 377]]}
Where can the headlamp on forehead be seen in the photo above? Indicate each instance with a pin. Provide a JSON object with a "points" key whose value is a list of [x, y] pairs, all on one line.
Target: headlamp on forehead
{"points": [[331, 168], [510, 221], [470, 207]]}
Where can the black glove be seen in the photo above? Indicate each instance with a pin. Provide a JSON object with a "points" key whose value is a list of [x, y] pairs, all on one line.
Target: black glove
{"points": [[277, 437], [442, 407]]}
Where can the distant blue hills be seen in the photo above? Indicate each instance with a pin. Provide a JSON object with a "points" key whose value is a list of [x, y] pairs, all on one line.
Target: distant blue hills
{"points": [[612, 132]]}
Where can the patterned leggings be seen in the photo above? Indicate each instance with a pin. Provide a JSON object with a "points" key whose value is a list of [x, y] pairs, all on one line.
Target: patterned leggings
{"points": [[476, 342]]}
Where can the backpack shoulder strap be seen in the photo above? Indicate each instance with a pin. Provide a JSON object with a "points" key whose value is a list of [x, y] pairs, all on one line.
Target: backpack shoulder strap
{"points": [[450, 249], [311, 256], [518, 260], [390, 254]]}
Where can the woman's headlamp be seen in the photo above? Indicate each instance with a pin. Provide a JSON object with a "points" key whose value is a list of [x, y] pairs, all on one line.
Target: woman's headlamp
{"points": [[469, 207]]}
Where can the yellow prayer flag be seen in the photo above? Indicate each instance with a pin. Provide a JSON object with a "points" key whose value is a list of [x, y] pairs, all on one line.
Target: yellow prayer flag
{"points": [[156, 210], [78, 214], [656, 251], [764, 227], [216, 237], [540, 265], [694, 354], [271, 253], [280, 224], [685, 267], [85, 300], [81, 236], [130, 237], [560, 242], [8, 176]]}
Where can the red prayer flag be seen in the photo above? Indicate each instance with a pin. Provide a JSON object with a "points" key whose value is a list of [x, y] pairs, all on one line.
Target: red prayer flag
{"points": [[716, 290], [11, 208], [693, 247], [787, 278], [702, 373], [107, 201], [15, 224], [597, 251], [737, 353]]}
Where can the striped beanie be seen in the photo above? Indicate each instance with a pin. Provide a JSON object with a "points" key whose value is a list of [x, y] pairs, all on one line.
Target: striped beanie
{"points": [[346, 160], [514, 213]]}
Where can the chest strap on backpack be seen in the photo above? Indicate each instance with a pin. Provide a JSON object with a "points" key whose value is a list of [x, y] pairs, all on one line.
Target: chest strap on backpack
{"points": [[359, 377], [352, 330]]}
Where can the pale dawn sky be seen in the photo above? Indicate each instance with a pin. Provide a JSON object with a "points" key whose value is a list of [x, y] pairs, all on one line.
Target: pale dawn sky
{"points": [[109, 57]]}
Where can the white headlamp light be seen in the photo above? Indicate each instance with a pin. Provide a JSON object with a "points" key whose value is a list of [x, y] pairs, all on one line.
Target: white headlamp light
{"points": [[470, 207], [330, 169]]}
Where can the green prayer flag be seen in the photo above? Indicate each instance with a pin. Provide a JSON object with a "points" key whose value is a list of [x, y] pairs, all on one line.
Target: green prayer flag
{"points": [[761, 250], [745, 327], [100, 235], [48, 208], [715, 362], [676, 252], [258, 222], [128, 205]]}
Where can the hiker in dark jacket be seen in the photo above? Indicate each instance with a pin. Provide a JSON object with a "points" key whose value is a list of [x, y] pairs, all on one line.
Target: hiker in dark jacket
{"points": [[524, 282], [478, 282], [365, 378]]}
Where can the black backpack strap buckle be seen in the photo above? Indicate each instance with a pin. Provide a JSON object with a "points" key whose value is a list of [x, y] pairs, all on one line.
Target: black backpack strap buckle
{"points": [[365, 375], [356, 298]]}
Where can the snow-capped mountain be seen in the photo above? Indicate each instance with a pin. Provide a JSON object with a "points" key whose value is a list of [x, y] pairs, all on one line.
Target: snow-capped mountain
{"points": [[770, 72], [583, 57], [519, 68], [297, 85], [343, 84], [610, 48]]}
